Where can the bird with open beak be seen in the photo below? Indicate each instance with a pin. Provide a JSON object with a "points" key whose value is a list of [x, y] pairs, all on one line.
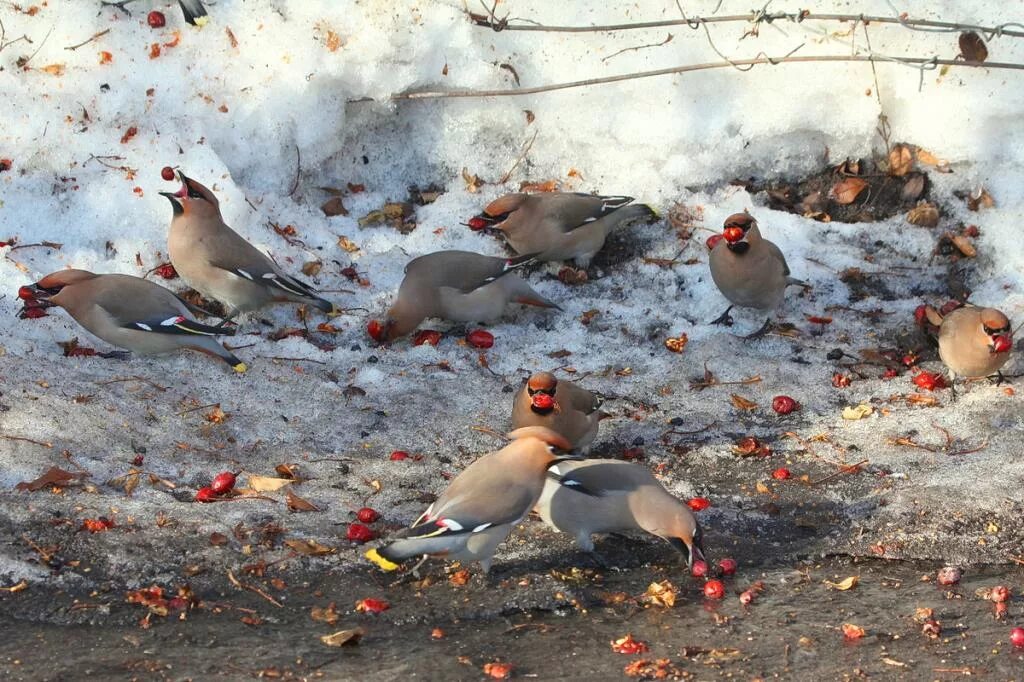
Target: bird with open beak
{"points": [[559, 226], [219, 263], [460, 286], [749, 270], [562, 406], [589, 496], [975, 342], [130, 313]]}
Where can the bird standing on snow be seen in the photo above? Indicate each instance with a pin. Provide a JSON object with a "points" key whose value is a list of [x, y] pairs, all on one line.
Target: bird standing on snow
{"points": [[559, 225], [975, 342], [590, 496], [562, 406], [481, 506], [749, 270], [460, 286], [219, 263], [129, 312]]}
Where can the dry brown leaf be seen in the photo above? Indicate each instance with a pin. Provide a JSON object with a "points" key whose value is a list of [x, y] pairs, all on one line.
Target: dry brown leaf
{"points": [[459, 578], [858, 412], [914, 187], [312, 268], [473, 183], [901, 160], [979, 199], [964, 245], [343, 637], [334, 206], [52, 476], [661, 594], [927, 158], [847, 190], [972, 47], [298, 504], [845, 584], [267, 484], [762, 488], [544, 186], [347, 244], [53, 69], [327, 614], [851, 631], [309, 547], [924, 214], [741, 403]]}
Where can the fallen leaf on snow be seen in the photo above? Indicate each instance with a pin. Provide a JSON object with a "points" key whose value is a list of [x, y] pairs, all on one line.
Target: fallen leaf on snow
{"points": [[858, 412], [267, 484], [847, 190], [343, 637], [298, 504], [844, 585], [661, 594], [53, 476], [851, 631], [309, 547], [741, 403]]}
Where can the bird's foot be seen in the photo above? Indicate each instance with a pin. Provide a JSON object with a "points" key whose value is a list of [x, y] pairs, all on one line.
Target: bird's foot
{"points": [[116, 355], [998, 379], [725, 318], [765, 328]]}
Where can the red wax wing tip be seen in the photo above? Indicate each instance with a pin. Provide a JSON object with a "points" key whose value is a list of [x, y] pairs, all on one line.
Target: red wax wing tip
{"points": [[478, 338], [1002, 343], [26, 293], [698, 503], [542, 401], [427, 336], [223, 482], [732, 234], [156, 19], [357, 532], [375, 330], [713, 241], [477, 223], [167, 173], [714, 589]]}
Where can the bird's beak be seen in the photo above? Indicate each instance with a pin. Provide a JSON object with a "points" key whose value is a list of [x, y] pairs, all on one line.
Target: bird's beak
{"points": [[176, 197], [1001, 343]]}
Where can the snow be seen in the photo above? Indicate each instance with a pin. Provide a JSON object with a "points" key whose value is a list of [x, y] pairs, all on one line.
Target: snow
{"points": [[270, 121]]}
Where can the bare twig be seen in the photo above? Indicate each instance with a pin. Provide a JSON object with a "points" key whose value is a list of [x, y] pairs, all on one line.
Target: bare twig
{"points": [[490, 432], [4, 43], [88, 40], [638, 48], [48, 245], [252, 588], [701, 385], [847, 469], [26, 440], [519, 159], [280, 357], [24, 63], [199, 407], [298, 171], [921, 63], [133, 378]]}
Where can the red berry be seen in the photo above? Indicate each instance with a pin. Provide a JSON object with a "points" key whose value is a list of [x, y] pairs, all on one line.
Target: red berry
{"points": [[156, 19], [840, 380], [167, 173], [713, 240], [890, 373], [357, 532], [929, 381], [781, 474], [714, 589], [166, 270], [427, 336], [350, 273], [26, 293], [542, 401], [971, 231], [699, 569], [783, 404], [372, 605], [948, 575], [476, 223], [478, 338], [32, 312], [1017, 637], [909, 359], [921, 314], [375, 329], [1000, 610], [223, 482], [999, 594], [138, 460], [698, 503], [727, 566], [747, 596], [206, 494], [733, 234], [367, 515], [399, 455]]}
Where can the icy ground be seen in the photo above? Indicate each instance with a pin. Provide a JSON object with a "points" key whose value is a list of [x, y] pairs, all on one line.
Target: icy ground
{"points": [[254, 105]]}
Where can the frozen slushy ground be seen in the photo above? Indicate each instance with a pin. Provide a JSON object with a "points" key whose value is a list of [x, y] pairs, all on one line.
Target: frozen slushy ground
{"points": [[242, 118]]}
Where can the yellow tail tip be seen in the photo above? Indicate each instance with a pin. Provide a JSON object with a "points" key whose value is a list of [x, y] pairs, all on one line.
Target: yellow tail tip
{"points": [[656, 212], [240, 367], [202, 21], [384, 564]]}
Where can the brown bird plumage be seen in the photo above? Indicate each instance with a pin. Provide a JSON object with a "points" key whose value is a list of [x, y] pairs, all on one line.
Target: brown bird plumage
{"points": [[481, 506], [561, 406], [559, 226], [132, 313], [219, 263], [975, 342]]}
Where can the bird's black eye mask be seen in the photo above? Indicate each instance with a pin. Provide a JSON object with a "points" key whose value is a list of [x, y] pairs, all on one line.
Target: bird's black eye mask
{"points": [[739, 248], [993, 332]]}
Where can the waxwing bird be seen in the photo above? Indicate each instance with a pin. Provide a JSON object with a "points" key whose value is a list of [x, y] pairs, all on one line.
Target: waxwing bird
{"points": [[588, 496], [559, 225], [749, 270], [460, 286], [482, 505], [562, 406], [132, 313], [194, 12], [219, 263], [975, 342]]}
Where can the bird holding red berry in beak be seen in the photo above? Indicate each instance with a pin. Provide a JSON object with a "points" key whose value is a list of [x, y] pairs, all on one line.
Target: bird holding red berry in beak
{"points": [[559, 226], [749, 270], [975, 342], [562, 406]]}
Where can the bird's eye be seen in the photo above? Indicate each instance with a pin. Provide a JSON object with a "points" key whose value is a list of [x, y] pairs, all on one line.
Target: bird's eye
{"points": [[192, 194]]}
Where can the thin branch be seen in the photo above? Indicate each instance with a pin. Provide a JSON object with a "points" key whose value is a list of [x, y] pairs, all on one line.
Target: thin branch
{"points": [[88, 40], [24, 63], [847, 469], [637, 48], [133, 378], [519, 159], [922, 63], [280, 357], [756, 18], [27, 440]]}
